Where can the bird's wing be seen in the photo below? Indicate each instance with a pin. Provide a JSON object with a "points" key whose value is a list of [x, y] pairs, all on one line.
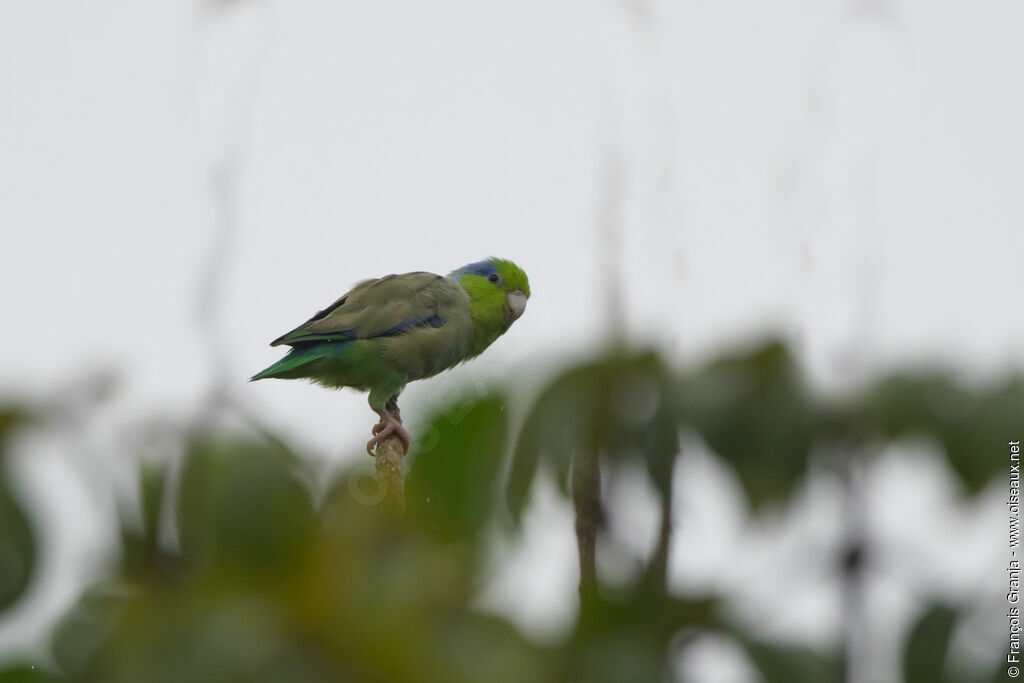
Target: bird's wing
{"points": [[384, 307]]}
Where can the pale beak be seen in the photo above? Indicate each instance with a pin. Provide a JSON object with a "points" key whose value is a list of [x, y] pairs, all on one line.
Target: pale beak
{"points": [[516, 305]]}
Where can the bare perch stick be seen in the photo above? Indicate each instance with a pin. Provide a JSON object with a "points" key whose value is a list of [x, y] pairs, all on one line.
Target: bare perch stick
{"points": [[390, 465]]}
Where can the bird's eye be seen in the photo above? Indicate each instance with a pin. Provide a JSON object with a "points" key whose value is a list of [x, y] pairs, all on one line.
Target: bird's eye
{"points": [[493, 277]]}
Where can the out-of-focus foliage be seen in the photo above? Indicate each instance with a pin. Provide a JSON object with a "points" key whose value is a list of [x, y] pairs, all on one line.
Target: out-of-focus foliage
{"points": [[243, 566], [970, 424], [269, 586], [452, 485], [17, 544], [25, 674], [783, 663], [226, 487], [924, 656], [755, 411], [628, 635], [622, 406]]}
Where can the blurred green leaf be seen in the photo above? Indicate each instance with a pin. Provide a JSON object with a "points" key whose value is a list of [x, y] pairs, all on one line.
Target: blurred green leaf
{"points": [[242, 504], [271, 587], [620, 406], [783, 663], [925, 652], [627, 656], [654, 610], [755, 412], [17, 548], [26, 674], [997, 675], [365, 598], [83, 630], [475, 647], [10, 416], [451, 488], [17, 542], [152, 484], [972, 425], [622, 637], [140, 541], [383, 571]]}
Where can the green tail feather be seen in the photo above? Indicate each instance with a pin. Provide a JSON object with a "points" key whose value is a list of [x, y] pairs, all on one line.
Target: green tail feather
{"points": [[291, 366]]}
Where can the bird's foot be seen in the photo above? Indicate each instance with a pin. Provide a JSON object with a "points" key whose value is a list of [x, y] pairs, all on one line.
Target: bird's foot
{"points": [[388, 426]]}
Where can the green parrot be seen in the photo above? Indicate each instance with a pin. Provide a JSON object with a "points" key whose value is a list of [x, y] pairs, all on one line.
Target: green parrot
{"points": [[388, 332]]}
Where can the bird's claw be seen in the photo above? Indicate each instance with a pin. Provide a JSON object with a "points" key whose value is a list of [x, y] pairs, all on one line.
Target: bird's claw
{"points": [[388, 426]]}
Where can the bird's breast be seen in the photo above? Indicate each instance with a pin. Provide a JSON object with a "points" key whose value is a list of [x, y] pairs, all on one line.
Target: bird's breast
{"points": [[426, 351]]}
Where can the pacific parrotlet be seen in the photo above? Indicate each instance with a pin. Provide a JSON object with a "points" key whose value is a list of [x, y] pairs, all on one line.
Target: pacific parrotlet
{"points": [[390, 331]]}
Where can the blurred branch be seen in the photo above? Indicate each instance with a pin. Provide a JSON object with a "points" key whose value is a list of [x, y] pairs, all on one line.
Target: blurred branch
{"points": [[586, 496], [612, 244], [223, 167], [658, 570], [212, 280], [852, 569]]}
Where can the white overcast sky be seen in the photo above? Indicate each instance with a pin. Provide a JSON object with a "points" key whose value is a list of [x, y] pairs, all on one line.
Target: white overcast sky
{"points": [[849, 173]]}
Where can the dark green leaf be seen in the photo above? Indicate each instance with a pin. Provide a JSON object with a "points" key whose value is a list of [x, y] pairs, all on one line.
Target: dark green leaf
{"points": [[780, 663], [242, 503], [451, 487], [924, 655], [26, 674], [627, 637], [972, 425], [17, 542], [620, 406], [755, 412]]}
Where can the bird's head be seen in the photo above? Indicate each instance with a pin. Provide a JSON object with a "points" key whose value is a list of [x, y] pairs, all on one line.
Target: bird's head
{"points": [[495, 284]]}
